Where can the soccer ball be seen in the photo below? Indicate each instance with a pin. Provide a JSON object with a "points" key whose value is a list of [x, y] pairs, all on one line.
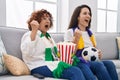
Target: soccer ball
{"points": [[90, 54]]}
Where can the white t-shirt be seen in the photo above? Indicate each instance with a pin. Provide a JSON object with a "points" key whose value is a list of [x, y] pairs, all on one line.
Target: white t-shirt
{"points": [[69, 37], [33, 52]]}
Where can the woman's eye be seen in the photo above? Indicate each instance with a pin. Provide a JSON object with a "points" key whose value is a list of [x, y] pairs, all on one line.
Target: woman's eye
{"points": [[44, 18], [85, 13]]}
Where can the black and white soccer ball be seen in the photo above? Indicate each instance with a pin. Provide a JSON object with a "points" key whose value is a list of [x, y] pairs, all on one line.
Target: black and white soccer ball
{"points": [[90, 54]]}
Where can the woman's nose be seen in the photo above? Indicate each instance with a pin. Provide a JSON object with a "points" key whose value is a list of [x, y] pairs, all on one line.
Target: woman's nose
{"points": [[47, 19], [88, 15]]}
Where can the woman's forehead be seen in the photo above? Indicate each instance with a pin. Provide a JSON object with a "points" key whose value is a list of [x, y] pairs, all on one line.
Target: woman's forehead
{"points": [[46, 15]]}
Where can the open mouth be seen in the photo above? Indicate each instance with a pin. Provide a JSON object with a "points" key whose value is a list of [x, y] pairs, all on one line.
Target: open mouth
{"points": [[87, 21], [46, 26]]}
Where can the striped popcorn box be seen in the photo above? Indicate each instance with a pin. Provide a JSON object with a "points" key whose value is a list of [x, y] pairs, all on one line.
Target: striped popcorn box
{"points": [[66, 50]]}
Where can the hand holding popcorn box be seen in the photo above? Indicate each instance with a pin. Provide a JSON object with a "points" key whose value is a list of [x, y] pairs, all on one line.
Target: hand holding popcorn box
{"points": [[66, 50]]}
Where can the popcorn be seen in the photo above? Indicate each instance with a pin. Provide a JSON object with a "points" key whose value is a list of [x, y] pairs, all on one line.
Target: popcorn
{"points": [[66, 50]]}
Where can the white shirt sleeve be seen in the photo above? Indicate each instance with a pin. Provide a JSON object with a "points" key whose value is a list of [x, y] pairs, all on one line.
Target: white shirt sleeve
{"points": [[28, 46], [68, 35]]}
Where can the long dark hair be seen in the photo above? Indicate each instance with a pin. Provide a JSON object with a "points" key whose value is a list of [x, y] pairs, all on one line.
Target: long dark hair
{"points": [[74, 18]]}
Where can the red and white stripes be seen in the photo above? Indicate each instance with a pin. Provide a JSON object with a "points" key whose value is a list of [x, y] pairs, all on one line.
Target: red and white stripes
{"points": [[66, 50]]}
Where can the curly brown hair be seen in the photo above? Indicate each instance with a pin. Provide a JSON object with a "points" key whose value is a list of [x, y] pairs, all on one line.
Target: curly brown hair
{"points": [[38, 15]]}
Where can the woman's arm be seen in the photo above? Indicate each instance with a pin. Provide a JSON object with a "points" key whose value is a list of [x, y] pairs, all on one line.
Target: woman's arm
{"points": [[34, 25]]}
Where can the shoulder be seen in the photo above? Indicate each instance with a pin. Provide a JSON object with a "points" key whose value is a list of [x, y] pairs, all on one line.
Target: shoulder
{"points": [[69, 31], [68, 35], [26, 33], [29, 32]]}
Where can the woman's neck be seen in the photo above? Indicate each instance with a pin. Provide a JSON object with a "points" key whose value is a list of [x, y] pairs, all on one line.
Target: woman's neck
{"points": [[82, 28], [43, 32]]}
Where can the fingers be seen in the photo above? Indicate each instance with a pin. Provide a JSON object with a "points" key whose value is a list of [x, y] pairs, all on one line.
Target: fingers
{"points": [[34, 25], [100, 54], [77, 33]]}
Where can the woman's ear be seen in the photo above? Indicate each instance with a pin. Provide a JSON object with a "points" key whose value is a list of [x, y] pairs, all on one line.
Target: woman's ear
{"points": [[78, 18]]}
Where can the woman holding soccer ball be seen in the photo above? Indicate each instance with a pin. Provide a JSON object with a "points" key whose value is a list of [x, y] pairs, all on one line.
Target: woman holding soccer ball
{"points": [[79, 33]]}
